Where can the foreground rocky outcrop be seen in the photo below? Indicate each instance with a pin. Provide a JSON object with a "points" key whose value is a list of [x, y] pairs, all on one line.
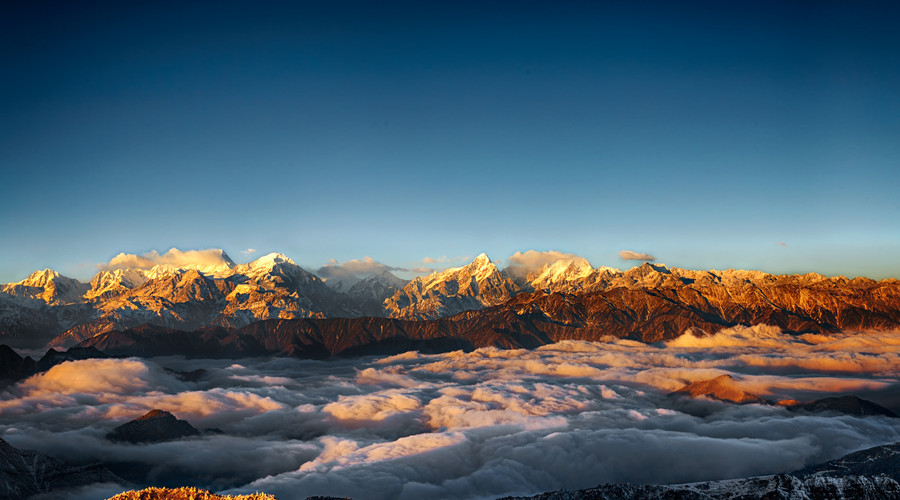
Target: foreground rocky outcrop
{"points": [[184, 494], [870, 474], [196, 494], [768, 487], [872, 461]]}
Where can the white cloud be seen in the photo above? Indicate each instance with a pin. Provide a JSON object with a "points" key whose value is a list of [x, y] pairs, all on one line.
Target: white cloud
{"points": [[248, 251]]}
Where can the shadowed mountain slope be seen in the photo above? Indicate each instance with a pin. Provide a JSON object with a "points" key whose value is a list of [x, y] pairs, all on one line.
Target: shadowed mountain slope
{"points": [[26, 473], [155, 426]]}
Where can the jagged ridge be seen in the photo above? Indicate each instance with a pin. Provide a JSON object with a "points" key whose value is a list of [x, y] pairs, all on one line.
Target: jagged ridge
{"points": [[650, 302]]}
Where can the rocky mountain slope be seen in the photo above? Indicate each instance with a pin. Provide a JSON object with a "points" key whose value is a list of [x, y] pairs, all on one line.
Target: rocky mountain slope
{"points": [[872, 461], [768, 487], [369, 294], [871, 474], [477, 285], [563, 299], [26, 473], [528, 320], [47, 305], [14, 367], [847, 405], [725, 388], [722, 388], [154, 426]]}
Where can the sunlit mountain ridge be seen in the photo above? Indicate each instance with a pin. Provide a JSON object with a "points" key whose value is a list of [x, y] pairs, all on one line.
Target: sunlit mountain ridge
{"points": [[562, 298]]}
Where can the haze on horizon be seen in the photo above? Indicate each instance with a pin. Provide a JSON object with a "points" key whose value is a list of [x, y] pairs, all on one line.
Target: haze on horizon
{"points": [[712, 136]]}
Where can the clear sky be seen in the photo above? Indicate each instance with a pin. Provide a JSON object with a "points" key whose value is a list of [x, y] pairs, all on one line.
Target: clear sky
{"points": [[759, 135]]}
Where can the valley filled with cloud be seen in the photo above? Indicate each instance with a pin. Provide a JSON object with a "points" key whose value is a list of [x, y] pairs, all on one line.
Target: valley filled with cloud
{"points": [[481, 424]]}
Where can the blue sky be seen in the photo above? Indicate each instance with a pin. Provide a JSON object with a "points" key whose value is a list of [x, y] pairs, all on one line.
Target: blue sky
{"points": [[701, 133]]}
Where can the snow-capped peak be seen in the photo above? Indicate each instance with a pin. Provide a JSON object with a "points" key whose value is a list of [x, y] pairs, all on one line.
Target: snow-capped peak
{"points": [[561, 274], [115, 280], [48, 286], [482, 267], [481, 260], [270, 260], [40, 279]]}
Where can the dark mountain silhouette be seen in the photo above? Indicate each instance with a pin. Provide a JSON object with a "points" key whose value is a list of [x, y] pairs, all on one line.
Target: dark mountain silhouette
{"points": [[25, 473], [14, 367], [849, 405], [154, 426]]}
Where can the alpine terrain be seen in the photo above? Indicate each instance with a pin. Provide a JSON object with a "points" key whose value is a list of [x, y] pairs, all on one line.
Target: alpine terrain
{"points": [[275, 306]]}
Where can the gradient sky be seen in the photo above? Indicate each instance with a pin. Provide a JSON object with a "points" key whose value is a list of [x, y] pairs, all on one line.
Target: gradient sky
{"points": [[701, 133]]}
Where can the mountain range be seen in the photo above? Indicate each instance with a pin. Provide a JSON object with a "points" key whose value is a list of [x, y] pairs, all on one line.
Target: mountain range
{"points": [[478, 304]]}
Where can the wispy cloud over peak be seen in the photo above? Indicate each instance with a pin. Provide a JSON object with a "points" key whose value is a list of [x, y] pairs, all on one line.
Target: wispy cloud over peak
{"points": [[534, 259], [354, 269], [445, 260], [630, 255], [209, 259]]}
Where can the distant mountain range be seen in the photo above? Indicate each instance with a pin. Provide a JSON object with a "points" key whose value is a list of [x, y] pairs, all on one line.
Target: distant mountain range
{"points": [[477, 304]]}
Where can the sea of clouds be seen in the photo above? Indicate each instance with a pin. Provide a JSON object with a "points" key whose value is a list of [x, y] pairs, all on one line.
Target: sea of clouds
{"points": [[468, 425]]}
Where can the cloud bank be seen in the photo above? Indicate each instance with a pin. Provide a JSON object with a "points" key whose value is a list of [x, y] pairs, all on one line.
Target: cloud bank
{"points": [[469, 425]]}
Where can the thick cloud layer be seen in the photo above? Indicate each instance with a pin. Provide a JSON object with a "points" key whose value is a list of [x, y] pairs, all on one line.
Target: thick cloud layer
{"points": [[469, 425]]}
